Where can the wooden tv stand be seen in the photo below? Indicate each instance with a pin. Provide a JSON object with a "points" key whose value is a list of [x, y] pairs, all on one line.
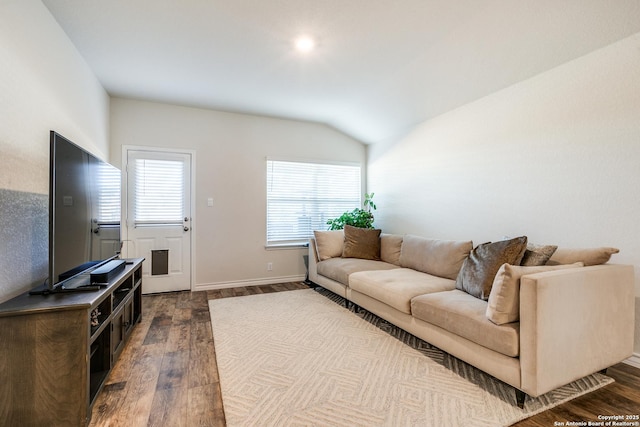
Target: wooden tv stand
{"points": [[53, 361]]}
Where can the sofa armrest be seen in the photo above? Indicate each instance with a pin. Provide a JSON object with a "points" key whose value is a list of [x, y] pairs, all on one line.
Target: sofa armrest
{"points": [[573, 323], [313, 260]]}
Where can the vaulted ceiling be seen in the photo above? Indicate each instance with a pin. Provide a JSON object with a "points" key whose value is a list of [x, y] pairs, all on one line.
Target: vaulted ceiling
{"points": [[379, 66]]}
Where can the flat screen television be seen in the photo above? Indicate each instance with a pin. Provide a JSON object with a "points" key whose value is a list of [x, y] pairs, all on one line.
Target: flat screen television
{"points": [[84, 215]]}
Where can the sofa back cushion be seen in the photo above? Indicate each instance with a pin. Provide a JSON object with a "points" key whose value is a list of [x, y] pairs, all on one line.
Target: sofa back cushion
{"points": [[390, 248], [329, 244], [442, 258]]}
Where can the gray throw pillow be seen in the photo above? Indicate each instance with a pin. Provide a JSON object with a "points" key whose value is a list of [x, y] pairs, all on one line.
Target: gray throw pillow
{"points": [[480, 268], [363, 243], [536, 255]]}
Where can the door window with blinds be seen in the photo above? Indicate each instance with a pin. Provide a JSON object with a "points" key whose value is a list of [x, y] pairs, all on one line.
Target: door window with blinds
{"points": [[302, 196], [157, 193]]}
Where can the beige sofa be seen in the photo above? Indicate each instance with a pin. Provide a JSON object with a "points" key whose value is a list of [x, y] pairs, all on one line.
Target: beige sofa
{"points": [[570, 321]]}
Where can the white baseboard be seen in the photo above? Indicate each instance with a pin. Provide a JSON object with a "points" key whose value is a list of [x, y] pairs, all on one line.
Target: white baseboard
{"points": [[252, 282], [633, 360]]}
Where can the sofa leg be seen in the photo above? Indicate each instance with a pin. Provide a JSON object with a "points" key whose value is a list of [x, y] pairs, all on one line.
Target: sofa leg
{"points": [[520, 396], [346, 304], [604, 371]]}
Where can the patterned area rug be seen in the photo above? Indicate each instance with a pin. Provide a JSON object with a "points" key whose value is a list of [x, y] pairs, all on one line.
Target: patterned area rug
{"points": [[299, 358]]}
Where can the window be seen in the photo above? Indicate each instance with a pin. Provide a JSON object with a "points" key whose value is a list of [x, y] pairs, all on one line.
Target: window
{"points": [[158, 191], [301, 197], [108, 184]]}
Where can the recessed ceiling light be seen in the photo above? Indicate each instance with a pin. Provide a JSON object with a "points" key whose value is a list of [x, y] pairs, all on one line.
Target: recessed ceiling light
{"points": [[304, 44]]}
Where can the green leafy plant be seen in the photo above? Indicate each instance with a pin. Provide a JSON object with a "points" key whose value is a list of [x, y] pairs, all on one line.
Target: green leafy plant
{"points": [[361, 218]]}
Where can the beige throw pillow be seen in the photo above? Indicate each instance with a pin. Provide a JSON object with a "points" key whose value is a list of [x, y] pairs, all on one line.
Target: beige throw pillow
{"points": [[504, 299], [480, 268], [442, 258], [329, 244], [363, 243], [589, 256]]}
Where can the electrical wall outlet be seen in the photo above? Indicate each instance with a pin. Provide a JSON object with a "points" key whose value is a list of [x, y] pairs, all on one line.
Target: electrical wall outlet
{"points": [[269, 266]]}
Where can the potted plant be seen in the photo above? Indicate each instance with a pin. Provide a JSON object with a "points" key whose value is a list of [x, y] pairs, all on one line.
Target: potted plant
{"points": [[362, 218]]}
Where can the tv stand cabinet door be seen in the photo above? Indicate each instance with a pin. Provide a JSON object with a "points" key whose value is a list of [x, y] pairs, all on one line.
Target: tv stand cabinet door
{"points": [[43, 366]]}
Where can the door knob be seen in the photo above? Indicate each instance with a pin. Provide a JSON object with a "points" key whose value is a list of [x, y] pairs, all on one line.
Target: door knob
{"points": [[186, 228]]}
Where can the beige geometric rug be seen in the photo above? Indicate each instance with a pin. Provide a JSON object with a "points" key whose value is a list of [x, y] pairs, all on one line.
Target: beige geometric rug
{"points": [[299, 358]]}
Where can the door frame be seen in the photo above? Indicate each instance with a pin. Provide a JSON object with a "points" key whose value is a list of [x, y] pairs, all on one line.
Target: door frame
{"points": [[124, 237]]}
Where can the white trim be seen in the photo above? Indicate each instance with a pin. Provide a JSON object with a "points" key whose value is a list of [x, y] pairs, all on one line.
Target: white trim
{"points": [[633, 360], [251, 282], [287, 246], [313, 161]]}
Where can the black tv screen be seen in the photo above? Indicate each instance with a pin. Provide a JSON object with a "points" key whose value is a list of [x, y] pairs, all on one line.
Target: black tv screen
{"points": [[84, 213]]}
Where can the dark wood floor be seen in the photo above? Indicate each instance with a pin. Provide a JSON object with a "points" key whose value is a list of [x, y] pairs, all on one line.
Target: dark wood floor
{"points": [[167, 374]]}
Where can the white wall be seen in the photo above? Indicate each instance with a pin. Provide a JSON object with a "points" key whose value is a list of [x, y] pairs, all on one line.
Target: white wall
{"points": [[44, 85], [231, 151], [556, 158]]}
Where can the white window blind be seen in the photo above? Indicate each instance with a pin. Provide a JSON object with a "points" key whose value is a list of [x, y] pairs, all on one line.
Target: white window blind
{"points": [[108, 194], [158, 191], [301, 197]]}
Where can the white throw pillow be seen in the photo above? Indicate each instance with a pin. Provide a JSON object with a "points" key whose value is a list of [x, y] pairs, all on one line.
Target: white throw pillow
{"points": [[504, 299]]}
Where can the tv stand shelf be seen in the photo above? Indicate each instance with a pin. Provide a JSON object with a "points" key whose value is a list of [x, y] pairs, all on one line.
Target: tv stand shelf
{"points": [[57, 350]]}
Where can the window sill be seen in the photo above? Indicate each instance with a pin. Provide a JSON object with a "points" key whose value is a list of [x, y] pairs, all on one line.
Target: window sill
{"points": [[277, 247]]}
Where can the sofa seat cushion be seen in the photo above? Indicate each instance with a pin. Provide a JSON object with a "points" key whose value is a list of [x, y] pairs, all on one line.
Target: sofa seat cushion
{"points": [[465, 315], [397, 287], [339, 269]]}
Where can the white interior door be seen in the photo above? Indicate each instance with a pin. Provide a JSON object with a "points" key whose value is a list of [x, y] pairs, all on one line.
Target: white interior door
{"points": [[159, 220]]}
